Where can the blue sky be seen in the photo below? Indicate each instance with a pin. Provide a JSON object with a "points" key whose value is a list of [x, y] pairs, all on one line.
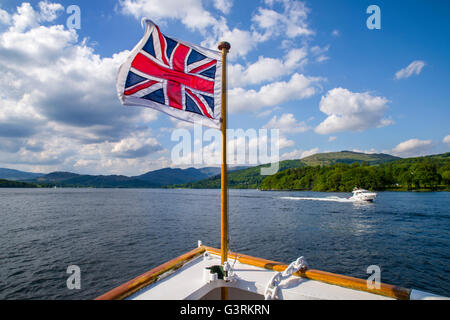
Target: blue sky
{"points": [[310, 68]]}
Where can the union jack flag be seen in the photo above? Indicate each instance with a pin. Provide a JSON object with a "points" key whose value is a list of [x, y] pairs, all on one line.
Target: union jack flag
{"points": [[173, 76]]}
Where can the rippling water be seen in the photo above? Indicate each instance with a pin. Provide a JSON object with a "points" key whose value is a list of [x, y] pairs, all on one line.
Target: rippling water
{"points": [[114, 235]]}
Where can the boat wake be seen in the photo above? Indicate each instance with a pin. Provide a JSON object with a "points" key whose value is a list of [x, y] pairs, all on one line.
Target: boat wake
{"points": [[333, 199]]}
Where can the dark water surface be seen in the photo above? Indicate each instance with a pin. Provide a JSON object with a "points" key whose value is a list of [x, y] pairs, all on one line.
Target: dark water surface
{"points": [[114, 235]]}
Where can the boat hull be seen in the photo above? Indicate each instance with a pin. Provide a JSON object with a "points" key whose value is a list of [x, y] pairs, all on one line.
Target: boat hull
{"points": [[183, 279]]}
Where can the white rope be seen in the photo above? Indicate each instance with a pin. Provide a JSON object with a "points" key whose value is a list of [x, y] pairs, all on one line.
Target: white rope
{"points": [[272, 287], [230, 272]]}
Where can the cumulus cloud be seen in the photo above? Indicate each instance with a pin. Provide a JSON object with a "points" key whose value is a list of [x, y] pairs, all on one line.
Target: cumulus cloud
{"points": [[49, 11], [190, 12], [45, 61], [266, 69], [242, 41], [446, 140], [5, 18], [412, 147], [350, 111], [223, 5], [287, 123], [332, 138], [298, 87], [136, 146], [370, 151], [415, 67], [319, 53], [292, 22]]}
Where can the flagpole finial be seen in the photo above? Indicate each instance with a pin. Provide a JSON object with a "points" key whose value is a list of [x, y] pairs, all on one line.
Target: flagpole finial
{"points": [[224, 45]]}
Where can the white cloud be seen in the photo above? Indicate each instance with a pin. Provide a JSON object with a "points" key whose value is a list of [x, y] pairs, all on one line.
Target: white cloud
{"points": [[308, 153], [265, 113], [287, 124], [370, 151], [285, 143], [267, 18], [332, 138], [412, 147], [349, 111], [5, 18], [49, 11], [446, 140], [190, 12], [322, 58], [291, 23], [336, 33], [298, 87], [316, 50], [223, 5], [414, 68], [319, 53], [26, 17], [266, 69], [242, 41], [136, 146]]}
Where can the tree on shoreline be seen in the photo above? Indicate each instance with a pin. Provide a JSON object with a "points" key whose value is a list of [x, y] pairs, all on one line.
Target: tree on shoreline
{"points": [[414, 175]]}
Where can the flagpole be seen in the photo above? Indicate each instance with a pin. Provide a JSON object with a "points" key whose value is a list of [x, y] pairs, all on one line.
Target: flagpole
{"points": [[224, 47]]}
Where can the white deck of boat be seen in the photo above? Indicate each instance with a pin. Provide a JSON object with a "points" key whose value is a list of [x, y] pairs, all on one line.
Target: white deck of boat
{"points": [[187, 283]]}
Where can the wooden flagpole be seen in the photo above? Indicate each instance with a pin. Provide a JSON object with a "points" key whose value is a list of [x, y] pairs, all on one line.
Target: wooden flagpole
{"points": [[225, 48]]}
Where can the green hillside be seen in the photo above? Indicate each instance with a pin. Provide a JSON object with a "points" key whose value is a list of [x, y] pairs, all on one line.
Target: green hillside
{"points": [[348, 157], [423, 174]]}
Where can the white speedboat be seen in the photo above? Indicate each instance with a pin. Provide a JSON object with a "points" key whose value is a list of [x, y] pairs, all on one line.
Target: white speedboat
{"points": [[362, 195]]}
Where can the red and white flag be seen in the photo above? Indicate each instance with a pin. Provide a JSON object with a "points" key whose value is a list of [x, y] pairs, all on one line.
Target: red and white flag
{"points": [[173, 76]]}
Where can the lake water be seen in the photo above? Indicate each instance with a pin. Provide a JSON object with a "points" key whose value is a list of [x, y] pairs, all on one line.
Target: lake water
{"points": [[114, 235]]}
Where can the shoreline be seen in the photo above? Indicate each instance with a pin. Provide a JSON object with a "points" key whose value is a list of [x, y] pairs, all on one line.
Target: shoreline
{"points": [[231, 188]]}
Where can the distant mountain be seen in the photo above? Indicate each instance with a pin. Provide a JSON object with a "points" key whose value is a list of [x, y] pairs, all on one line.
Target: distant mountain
{"points": [[57, 177], [251, 177], [153, 179], [170, 176], [11, 174]]}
